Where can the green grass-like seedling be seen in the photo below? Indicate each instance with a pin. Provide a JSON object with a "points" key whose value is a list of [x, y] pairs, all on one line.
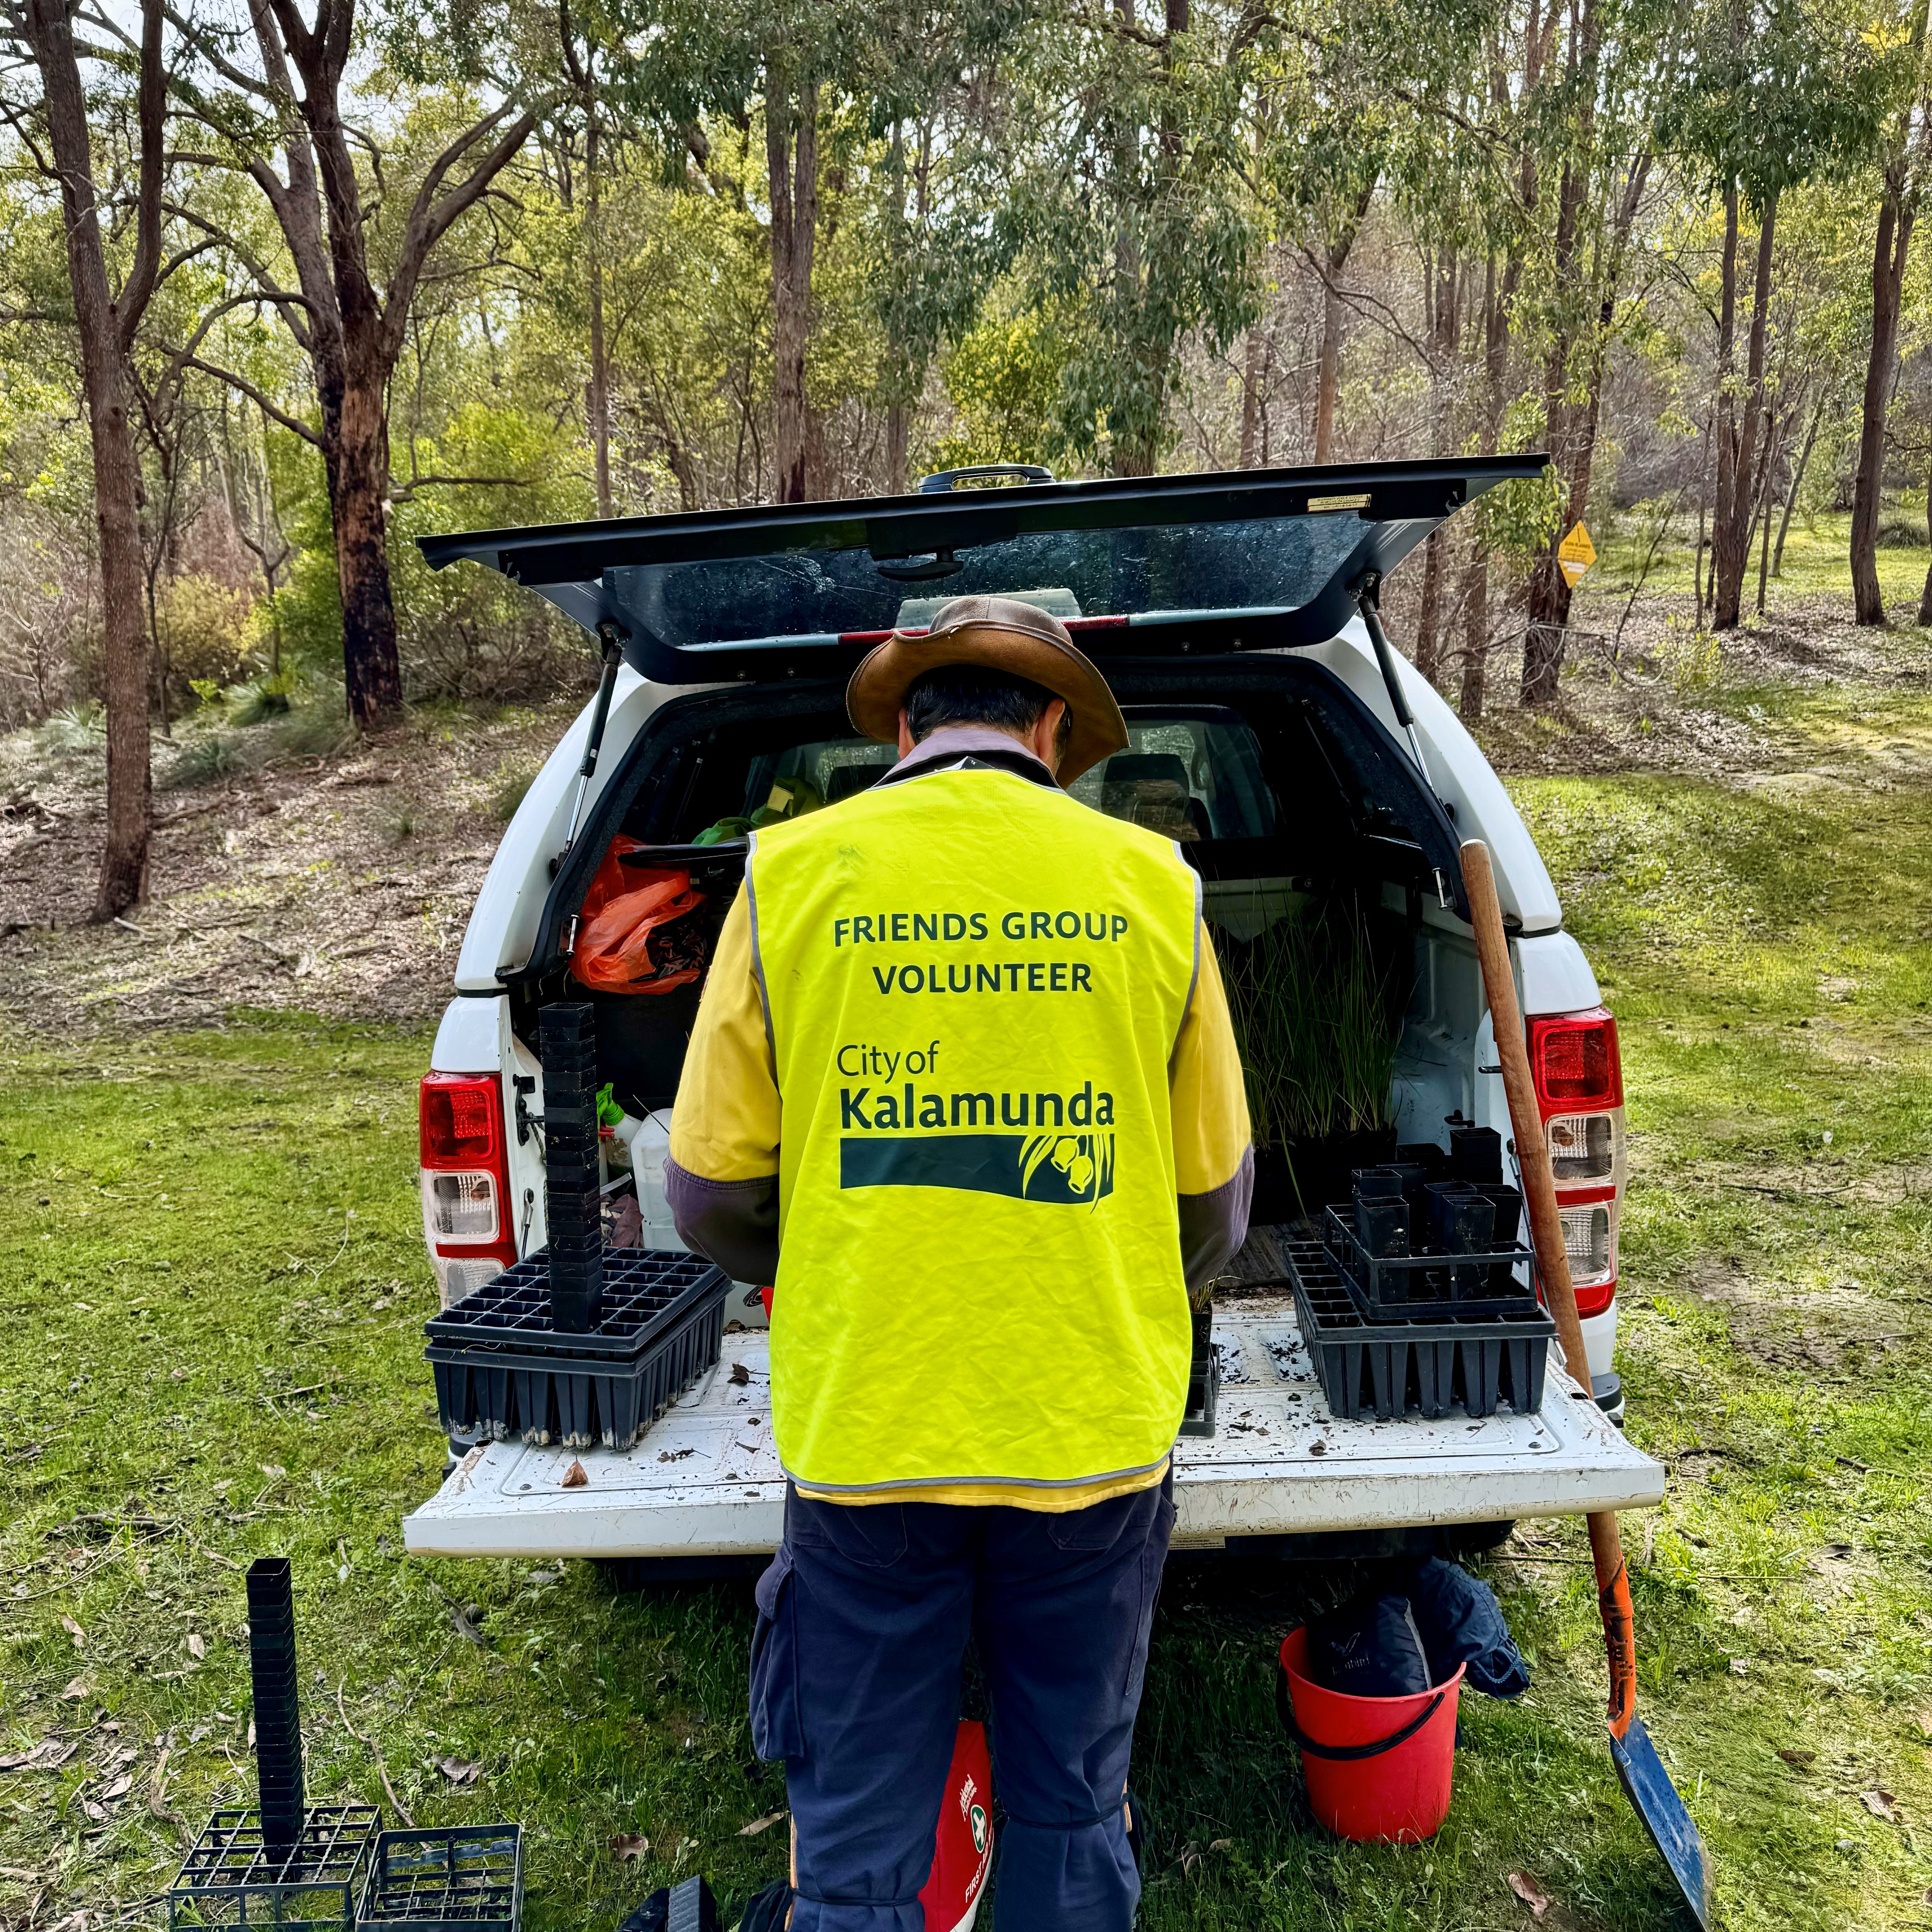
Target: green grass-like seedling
{"points": [[1310, 1007]]}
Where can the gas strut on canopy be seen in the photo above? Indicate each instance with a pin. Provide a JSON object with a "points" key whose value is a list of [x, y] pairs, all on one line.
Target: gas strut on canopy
{"points": [[1368, 602], [610, 641]]}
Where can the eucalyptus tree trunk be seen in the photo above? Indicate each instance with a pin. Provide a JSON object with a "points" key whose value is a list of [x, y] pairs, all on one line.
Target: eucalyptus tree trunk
{"points": [[597, 391], [1906, 156], [1328, 363], [1925, 596], [357, 466], [791, 165], [1888, 257], [1797, 479], [1445, 312], [106, 324], [1254, 374], [1738, 420]]}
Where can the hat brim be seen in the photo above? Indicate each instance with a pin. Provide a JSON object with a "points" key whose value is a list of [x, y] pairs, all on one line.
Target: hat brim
{"points": [[878, 688]]}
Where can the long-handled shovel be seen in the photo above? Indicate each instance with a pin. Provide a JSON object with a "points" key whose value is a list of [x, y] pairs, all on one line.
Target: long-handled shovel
{"points": [[1645, 1782]]}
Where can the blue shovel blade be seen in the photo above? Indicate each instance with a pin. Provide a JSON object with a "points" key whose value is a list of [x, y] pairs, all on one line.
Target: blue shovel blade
{"points": [[1648, 1786]]}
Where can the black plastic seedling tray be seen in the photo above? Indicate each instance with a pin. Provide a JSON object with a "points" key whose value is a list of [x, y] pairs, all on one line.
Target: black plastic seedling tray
{"points": [[646, 1290], [463, 1878], [503, 1370], [231, 1877], [1388, 1366], [1204, 1375], [1431, 1286]]}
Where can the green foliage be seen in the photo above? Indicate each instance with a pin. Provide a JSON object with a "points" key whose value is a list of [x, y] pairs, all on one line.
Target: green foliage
{"points": [[201, 758], [1040, 235], [1003, 383], [318, 729], [201, 631], [1519, 518], [466, 632], [257, 700], [307, 611], [81, 727], [1131, 223], [687, 323], [1773, 92]]}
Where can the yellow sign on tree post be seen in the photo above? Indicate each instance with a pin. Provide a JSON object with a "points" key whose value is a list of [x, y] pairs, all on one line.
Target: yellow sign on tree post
{"points": [[1574, 555]]}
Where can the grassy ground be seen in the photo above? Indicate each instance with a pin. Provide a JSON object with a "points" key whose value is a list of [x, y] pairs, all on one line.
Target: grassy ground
{"points": [[1815, 562], [210, 1304]]}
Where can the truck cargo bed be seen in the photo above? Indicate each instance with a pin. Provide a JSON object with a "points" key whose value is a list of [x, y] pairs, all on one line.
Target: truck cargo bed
{"points": [[704, 1480]]}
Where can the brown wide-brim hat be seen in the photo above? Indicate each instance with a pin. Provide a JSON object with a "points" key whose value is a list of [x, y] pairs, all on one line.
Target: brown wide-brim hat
{"points": [[1003, 633]]}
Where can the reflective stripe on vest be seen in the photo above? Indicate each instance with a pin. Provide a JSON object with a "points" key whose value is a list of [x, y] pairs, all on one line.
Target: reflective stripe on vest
{"points": [[974, 985]]}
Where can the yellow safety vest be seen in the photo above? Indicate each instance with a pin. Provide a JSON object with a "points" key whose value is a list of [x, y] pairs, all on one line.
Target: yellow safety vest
{"points": [[974, 985]]}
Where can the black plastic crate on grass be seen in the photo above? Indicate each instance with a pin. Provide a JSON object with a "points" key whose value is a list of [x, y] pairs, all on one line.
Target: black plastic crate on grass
{"points": [[462, 1878], [1387, 1366], [503, 1368], [232, 1876], [1431, 1286]]}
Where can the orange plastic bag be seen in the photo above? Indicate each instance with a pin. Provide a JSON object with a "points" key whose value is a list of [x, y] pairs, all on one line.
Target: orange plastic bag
{"points": [[625, 906]]}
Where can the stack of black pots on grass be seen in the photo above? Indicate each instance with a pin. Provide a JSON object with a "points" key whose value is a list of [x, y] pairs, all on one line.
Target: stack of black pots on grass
{"points": [[278, 1701], [1417, 1295], [285, 1861]]}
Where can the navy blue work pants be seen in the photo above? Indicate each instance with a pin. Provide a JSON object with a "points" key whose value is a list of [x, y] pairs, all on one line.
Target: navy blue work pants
{"points": [[863, 1619]]}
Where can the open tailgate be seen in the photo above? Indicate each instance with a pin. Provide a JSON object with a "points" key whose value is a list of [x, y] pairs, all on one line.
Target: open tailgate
{"points": [[705, 1480]]}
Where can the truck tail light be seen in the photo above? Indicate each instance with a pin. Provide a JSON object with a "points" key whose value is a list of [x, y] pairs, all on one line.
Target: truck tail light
{"points": [[1579, 1084], [1590, 1240], [1576, 1060], [465, 1170]]}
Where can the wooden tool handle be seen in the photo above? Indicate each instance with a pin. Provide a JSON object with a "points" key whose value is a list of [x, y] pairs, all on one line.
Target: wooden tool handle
{"points": [[1552, 1259], [1606, 1549]]}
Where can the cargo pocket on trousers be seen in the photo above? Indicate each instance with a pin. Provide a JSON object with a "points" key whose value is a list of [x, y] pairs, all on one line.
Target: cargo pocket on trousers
{"points": [[1153, 1561], [777, 1729]]}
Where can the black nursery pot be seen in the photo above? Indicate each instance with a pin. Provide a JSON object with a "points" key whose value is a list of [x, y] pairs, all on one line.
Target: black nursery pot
{"points": [[1324, 1167], [1274, 1202]]}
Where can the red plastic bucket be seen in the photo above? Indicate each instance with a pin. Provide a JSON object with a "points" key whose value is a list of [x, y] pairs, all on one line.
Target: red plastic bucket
{"points": [[1378, 1769]]}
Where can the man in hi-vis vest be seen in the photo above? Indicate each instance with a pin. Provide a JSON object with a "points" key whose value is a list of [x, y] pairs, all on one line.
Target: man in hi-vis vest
{"points": [[963, 1086]]}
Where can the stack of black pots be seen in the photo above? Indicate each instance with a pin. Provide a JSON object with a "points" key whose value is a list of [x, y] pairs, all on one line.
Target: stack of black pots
{"points": [[568, 1043], [1423, 1204], [277, 1706]]}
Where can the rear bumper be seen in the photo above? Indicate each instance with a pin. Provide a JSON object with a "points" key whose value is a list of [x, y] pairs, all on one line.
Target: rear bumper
{"points": [[1600, 1340], [705, 1480]]}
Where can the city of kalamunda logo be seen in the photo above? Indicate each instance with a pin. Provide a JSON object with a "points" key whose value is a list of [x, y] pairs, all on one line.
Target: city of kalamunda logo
{"points": [[865, 1109]]}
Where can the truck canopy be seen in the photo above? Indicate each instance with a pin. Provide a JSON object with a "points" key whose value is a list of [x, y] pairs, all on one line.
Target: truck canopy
{"points": [[1235, 560]]}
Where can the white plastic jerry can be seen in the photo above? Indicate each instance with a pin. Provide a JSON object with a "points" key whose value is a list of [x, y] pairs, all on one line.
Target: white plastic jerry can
{"points": [[649, 1141]]}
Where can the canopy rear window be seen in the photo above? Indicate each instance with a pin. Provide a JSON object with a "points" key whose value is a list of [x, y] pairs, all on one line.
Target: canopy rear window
{"points": [[1134, 565]]}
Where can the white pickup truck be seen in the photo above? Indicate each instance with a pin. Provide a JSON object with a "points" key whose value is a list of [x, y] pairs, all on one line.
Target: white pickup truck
{"points": [[1236, 616]]}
